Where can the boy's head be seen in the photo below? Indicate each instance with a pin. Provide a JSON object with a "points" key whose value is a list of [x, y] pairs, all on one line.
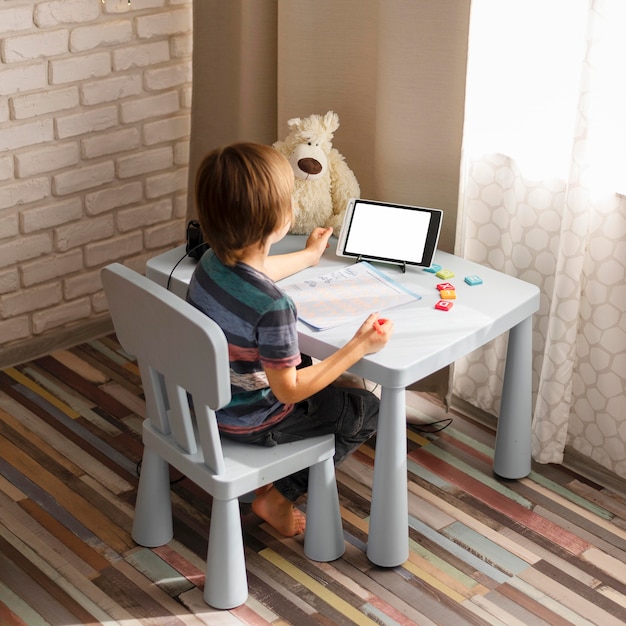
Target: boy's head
{"points": [[243, 195]]}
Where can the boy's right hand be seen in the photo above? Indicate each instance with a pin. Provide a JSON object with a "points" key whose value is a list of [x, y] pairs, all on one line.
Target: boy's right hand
{"points": [[317, 243], [291, 385], [375, 333]]}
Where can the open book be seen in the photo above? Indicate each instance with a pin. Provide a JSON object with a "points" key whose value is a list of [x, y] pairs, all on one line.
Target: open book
{"points": [[343, 295]]}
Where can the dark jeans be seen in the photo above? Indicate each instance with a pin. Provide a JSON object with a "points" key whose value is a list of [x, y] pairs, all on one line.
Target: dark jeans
{"points": [[350, 413]]}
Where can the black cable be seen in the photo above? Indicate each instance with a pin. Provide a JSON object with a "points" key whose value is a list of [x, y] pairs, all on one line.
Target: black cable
{"points": [[432, 427], [182, 258]]}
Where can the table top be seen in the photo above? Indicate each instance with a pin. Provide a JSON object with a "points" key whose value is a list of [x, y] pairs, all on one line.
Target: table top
{"points": [[425, 339]]}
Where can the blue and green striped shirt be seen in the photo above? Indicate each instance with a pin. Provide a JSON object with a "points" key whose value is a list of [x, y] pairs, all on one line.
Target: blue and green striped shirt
{"points": [[259, 322]]}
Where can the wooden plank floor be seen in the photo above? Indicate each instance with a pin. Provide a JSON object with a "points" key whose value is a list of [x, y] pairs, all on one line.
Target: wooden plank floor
{"points": [[549, 549]]}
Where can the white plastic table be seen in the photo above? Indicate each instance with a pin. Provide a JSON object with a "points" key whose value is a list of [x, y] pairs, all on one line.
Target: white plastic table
{"points": [[424, 341]]}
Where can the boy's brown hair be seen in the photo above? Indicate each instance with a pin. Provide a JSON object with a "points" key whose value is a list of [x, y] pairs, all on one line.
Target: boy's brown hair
{"points": [[243, 194]]}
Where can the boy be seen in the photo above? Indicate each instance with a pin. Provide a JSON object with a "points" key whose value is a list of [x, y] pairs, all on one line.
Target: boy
{"points": [[243, 195]]}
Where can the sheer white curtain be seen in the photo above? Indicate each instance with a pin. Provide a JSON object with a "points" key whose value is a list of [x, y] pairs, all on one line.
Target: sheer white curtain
{"points": [[543, 160]]}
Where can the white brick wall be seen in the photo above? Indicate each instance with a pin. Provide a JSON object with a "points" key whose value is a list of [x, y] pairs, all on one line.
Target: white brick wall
{"points": [[40, 103], [94, 135]]}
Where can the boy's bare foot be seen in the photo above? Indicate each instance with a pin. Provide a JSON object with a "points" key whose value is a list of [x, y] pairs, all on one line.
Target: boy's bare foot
{"points": [[263, 489], [279, 512]]}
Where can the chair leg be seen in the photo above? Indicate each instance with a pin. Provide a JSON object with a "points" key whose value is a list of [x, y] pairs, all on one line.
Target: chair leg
{"points": [[152, 523], [323, 540], [226, 584]]}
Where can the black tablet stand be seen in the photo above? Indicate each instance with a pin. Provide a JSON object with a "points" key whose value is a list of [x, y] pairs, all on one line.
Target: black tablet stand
{"points": [[402, 264]]}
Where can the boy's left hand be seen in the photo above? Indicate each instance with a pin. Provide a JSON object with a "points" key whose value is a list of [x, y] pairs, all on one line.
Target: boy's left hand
{"points": [[317, 243]]}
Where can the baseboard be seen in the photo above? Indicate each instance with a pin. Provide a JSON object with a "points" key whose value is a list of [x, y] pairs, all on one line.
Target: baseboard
{"points": [[67, 338], [469, 411], [593, 471], [572, 459]]}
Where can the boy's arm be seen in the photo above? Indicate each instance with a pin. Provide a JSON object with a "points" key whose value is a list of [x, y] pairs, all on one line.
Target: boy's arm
{"points": [[292, 385], [282, 265]]}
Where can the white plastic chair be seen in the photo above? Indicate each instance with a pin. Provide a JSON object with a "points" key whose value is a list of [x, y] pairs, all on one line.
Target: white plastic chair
{"points": [[183, 354]]}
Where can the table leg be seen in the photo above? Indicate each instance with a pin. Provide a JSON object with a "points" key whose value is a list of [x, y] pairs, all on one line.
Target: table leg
{"points": [[388, 541], [512, 455]]}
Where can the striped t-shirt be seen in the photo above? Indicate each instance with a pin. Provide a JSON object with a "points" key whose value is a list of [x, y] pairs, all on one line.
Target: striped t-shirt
{"points": [[259, 322]]}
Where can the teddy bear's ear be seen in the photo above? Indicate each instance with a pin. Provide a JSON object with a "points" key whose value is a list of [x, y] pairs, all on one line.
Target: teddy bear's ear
{"points": [[331, 121], [294, 122]]}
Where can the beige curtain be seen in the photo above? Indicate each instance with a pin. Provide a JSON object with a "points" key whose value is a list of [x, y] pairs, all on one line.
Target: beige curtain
{"points": [[394, 72], [234, 75]]}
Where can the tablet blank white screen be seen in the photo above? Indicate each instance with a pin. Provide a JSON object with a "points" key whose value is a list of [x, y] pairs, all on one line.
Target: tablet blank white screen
{"points": [[388, 232]]}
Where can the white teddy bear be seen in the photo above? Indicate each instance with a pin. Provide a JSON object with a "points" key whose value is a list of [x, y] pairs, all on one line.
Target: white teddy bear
{"points": [[323, 181]]}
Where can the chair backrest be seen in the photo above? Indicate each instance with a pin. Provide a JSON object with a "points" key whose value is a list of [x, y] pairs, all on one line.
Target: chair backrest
{"points": [[181, 354]]}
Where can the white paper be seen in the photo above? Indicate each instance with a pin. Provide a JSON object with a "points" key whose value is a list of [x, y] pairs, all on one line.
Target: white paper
{"points": [[341, 296]]}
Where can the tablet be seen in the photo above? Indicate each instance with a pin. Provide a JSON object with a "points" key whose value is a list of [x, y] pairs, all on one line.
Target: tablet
{"points": [[392, 233]]}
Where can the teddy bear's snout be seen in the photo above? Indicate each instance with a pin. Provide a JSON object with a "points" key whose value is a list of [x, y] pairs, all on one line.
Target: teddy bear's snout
{"points": [[310, 166], [308, 162]]}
